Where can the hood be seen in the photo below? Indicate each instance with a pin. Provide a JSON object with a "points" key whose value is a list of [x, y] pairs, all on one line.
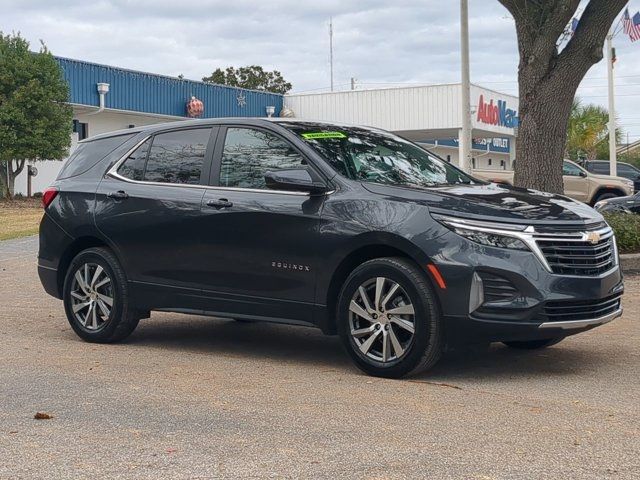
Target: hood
{"points": [[493, 202], [609, 178]]}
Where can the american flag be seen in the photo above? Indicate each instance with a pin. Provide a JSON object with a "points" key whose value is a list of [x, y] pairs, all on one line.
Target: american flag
{"points": [[631, 25], [573, 25]]}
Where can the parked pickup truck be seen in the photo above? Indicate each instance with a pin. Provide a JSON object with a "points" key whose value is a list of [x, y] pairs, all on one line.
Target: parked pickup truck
{"points": [[579, 184], [625, 170]]}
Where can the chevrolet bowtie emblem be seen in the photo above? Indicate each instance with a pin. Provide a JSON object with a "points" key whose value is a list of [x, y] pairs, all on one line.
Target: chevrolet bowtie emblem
{"points": [[592, 237]]}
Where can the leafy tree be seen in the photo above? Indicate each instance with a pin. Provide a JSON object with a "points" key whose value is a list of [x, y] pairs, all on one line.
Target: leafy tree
{"points": [[588, 132], [253, 77], [632, 157], [35, 118], [548, 79]]}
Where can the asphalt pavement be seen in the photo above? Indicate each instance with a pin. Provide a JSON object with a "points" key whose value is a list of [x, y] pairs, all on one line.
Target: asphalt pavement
{"points": [[189, 397]]}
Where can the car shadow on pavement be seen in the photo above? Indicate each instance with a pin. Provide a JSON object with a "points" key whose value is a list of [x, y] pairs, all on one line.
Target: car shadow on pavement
{"points": [[257, 340], [498, 362], [243, 339]]}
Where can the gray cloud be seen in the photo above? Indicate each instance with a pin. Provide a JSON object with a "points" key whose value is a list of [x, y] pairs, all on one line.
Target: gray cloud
{"points": [[378, 42]]}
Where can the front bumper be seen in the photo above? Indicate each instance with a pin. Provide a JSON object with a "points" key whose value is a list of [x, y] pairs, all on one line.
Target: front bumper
{"points": [[544, 304], [581, 324]]}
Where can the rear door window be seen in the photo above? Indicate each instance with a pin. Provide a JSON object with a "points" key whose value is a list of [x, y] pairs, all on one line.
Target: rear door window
{"points": [[88, 154], [177, 157]]}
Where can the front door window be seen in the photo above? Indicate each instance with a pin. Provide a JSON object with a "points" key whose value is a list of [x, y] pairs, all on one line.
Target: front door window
{"points": [[249, 153]]}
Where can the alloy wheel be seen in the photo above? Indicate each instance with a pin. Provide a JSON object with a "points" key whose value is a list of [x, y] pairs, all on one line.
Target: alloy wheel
{"points": [[91, 296], [382, 320]]}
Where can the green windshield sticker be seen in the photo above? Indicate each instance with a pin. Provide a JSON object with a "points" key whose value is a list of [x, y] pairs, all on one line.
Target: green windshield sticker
{"points": [[317, 135]]}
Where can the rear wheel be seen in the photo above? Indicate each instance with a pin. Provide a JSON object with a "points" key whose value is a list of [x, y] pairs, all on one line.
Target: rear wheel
{"points": [[96, 297], [388, 319], [534, 344]]}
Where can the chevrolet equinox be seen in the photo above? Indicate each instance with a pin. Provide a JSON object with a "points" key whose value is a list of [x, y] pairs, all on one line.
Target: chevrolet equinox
{"points": [[350, 229]]}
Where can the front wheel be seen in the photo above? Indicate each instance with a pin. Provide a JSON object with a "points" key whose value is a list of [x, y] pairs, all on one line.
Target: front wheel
{"points": [[96, 297], [388, 318], [534, 344], [605, 196]]}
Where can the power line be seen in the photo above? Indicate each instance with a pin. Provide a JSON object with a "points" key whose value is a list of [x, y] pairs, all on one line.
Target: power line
{"points": [[586, 78]]}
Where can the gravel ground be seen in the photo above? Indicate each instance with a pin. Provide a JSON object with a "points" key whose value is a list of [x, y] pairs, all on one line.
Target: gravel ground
{"points": [[191, 397]]}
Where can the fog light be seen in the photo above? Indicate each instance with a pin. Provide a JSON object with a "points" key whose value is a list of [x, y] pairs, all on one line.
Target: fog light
{"points": [[476, 295]]}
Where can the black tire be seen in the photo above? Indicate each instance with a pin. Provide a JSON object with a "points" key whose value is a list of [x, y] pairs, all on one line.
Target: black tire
{"points": [[604, 196], [534, 344], [425, 347], [122, 319]]}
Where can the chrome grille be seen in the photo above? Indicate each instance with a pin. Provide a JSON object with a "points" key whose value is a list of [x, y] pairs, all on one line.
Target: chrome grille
{"points": [[574, 254]]}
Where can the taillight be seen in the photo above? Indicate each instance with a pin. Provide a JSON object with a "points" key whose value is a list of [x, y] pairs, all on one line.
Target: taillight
{"points": [[48, 195]]}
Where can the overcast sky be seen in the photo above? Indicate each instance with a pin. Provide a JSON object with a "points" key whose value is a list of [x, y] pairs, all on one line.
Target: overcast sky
{"points": [[386, 42]]}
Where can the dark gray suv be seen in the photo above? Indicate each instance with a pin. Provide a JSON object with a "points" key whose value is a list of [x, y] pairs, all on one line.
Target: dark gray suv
{"points": [[349, 229]]}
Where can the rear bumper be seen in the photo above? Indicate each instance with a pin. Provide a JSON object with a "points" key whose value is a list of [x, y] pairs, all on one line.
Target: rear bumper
{"points": [[53, 242], [49, 279]]}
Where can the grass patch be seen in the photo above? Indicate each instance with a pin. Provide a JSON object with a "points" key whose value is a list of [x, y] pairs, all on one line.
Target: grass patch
{"points": [[627, 229], [19, 218]]}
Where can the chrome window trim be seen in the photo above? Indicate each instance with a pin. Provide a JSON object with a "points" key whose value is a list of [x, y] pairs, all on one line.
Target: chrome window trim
{"points": [[113, 173], [530, 238]]}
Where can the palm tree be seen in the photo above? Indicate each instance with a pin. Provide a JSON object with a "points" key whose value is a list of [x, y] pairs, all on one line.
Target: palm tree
{"points": [[587, 132]]}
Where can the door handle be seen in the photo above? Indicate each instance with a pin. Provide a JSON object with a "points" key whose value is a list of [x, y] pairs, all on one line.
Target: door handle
{"points": [[220, 203], [119, 195]]}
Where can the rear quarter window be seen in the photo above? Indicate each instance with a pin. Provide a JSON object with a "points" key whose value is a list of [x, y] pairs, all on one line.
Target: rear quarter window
{"points": [[87, 154]]}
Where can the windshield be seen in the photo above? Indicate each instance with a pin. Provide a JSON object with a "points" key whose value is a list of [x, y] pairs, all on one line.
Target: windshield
{"points": [[378, 157]]}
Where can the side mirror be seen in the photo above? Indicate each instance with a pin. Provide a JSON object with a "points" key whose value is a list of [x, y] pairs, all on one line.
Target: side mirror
{"points": [[294, 179], [583, 174]]}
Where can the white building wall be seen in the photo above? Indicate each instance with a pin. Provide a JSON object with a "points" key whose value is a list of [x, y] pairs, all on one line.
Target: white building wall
{"points": [[397, 109], [104, 122], [481, 157]]}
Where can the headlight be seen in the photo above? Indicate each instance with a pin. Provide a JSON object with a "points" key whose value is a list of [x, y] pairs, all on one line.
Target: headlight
{"points": [[600, 204], [485, 233]]}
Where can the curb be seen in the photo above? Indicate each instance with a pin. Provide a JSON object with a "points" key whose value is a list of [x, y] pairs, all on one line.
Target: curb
{"points": [[630, 263]]}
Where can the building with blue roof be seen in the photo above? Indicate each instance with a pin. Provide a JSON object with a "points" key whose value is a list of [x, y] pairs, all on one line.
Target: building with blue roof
{"points": [[106, 98], [158, 95]]}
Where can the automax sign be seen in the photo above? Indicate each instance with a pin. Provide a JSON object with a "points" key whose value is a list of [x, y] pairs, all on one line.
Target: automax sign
{"points": [[496, 113]]}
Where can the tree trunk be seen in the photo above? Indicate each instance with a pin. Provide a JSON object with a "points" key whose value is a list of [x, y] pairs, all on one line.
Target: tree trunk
{"points": [[542, 136], [8, 184], [548, 80], [4, 191]]}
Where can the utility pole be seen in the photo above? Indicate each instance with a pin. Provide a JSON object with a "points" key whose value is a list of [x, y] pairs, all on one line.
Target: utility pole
{"points": [[331, 49], [353, 83], [464, 137], [613, 169]]}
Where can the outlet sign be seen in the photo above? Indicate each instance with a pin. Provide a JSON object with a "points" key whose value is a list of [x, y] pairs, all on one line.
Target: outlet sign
{"points": [[496, 113]]}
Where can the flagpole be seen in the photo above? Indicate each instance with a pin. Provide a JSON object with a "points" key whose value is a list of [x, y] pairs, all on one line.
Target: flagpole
{"points": [[464, 136], [613, 170], [331, 49]]}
